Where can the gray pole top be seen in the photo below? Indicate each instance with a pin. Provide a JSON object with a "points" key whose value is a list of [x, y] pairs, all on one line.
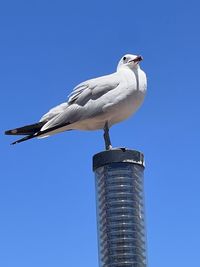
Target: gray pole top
{"points": [[118, 155]]}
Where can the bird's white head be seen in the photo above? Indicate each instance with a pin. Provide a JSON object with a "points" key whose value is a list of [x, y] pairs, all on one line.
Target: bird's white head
{"points": [[129, 61]]}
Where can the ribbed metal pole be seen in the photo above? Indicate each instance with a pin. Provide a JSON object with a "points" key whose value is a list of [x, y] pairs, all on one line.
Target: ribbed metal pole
{"points": [[120, 208]]}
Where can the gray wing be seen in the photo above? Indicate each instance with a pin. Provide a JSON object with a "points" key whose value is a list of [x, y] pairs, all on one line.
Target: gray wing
{"points": [[78, 103], [54, 112], [93, 89]]}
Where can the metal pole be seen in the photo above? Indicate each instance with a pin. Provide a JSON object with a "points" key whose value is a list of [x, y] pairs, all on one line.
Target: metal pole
{"points": [[120, 208]]}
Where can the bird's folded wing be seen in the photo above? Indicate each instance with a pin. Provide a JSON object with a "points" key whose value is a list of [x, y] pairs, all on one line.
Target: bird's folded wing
{"points": [[54, 112], [77, 108], [93, 89]]}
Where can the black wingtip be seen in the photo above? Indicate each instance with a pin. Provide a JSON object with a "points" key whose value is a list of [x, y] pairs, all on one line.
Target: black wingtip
{"points": [[26, 130], [10, 132], [24, 139], [14, 143]]}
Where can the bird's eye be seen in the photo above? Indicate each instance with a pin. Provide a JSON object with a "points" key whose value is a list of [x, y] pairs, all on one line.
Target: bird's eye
{"points": [[124, 58]]}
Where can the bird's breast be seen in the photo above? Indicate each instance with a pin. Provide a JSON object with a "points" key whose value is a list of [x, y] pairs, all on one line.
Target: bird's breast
{"points": [[131, 99], [135, 80], [127, 107]]}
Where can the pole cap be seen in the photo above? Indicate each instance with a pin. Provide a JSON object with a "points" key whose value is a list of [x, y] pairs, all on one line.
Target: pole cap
{"points": [[118, 155]]}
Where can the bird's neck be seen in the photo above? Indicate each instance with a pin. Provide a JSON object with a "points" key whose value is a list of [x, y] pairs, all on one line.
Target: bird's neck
{"points": [[124, 67]]}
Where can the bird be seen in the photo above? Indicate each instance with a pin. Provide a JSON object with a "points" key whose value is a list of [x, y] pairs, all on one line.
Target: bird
{"points": [[94, 104]]}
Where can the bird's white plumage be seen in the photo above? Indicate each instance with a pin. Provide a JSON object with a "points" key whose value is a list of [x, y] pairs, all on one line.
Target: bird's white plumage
{"points": [[111, 98]]}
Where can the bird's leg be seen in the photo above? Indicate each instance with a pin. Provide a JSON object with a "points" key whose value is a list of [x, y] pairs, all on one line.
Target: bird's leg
{"points": [[107, 137]]}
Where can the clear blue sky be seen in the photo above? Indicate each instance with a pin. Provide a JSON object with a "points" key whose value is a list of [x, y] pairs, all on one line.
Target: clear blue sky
{"points": [[47, 197]]}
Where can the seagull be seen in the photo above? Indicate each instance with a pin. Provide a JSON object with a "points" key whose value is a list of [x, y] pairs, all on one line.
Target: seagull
{"points": [[94, 104]]}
